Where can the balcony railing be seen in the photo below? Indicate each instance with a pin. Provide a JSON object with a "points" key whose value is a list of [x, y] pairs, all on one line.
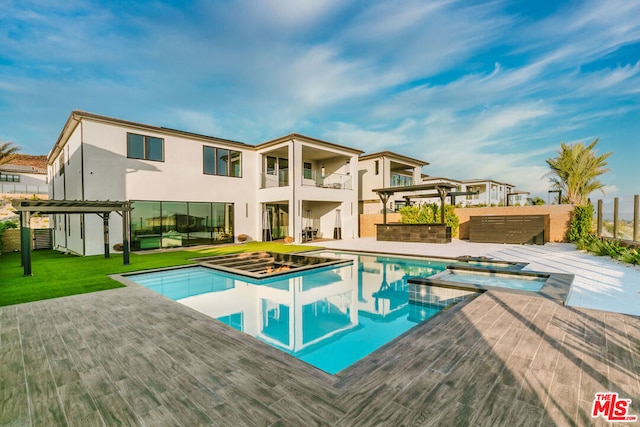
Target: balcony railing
{"points": [[398, 180], [274, 179], [12, 188], [338, 181]]}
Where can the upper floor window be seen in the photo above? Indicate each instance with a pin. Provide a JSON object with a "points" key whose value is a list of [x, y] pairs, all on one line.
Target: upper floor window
{"points": [[61, 165], [9, 177], [376, 166], [307, 171], [398, 180], [145, 147], [220, 161]]}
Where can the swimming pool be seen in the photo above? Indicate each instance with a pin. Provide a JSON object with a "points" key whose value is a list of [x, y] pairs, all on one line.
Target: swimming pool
{"points": [[513, 280], [330, 317]]}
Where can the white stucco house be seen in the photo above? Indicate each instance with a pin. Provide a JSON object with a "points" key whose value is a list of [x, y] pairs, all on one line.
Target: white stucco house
{"points": [[24, 175], [492, 193], [386, 169], [188, 189]]}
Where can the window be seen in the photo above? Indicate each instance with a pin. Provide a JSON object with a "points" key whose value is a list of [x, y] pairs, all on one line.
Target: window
{"points": [[209, 160], [271, 165], [235, 163], [222, 162], [9, 177], [171, 224], [376, 167], [398, 180], [145, 147], [307, 172], [61, 165]]}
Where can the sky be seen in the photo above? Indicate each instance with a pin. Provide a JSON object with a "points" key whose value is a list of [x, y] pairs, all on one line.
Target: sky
{"points": [[479, 89]]}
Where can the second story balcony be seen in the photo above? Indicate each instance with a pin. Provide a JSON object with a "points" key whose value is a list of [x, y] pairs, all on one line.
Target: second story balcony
{"points": [[313, 178], [277, 178]]}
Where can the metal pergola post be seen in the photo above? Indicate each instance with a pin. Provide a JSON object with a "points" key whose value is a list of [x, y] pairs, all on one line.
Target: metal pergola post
{"points": [[384, 197], [105, 230], [25, 242], [126, 219]]}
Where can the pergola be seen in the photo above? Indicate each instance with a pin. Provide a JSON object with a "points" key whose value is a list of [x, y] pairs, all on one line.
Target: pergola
{"points": [[442, 190], [100, 208]]}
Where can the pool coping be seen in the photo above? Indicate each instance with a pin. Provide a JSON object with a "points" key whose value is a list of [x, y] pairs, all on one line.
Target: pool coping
{"points": [[326, 262], [555, 288]]}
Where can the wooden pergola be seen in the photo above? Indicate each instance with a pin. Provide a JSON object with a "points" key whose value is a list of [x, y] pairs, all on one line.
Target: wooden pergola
{"points": [[442, 190], [101, 208]]}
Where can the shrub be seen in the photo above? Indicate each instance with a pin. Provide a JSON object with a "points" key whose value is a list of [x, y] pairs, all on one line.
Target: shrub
{"points": [[430, 214], [607, 248], [631, 256], [581, 223]]}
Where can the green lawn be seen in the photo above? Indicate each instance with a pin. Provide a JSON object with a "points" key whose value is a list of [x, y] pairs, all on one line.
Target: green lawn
{"points": [[57, 275]]}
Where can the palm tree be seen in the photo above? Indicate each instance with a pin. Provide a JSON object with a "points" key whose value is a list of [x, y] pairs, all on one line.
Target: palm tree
{"points": [[576, 170], [7, 152], [536, 201]]}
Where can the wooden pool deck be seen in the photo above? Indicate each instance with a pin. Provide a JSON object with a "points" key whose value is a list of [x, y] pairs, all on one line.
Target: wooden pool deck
{"points": [[131, 357]]}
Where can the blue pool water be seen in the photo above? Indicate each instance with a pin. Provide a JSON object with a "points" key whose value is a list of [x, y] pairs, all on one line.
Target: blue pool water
{"points": [[330, 317], [524, 283]]}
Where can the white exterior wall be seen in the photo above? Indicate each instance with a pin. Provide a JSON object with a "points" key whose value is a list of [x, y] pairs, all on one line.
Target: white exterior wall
{"points": [[109, 175], [302, 194], [370, 202]]}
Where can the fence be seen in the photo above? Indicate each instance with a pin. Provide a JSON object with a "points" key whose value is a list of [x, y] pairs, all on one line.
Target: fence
{"points": [[41, 238], [618, 218], [12, 188], [559, 217]]}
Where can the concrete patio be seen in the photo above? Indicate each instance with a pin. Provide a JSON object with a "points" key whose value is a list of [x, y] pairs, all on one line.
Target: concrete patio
{"points": [[130, 356], [600, 283]]}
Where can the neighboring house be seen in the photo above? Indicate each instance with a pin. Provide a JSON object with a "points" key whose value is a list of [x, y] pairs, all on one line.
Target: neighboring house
{"points": [[492, 193], [386, 169], [25, 174], [188, 189]]}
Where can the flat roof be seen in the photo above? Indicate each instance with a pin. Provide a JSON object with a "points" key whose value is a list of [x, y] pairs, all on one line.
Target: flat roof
{"points": [[397, 156], [291, 136], [77, 115], [419, 187]]}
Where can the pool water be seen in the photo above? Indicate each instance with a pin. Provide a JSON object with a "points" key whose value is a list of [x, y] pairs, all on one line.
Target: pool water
{"points": [[329, 317], [524, 283]]}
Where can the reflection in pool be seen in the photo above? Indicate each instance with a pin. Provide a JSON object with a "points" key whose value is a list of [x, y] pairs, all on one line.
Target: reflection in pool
{"points": [[330, 317]]}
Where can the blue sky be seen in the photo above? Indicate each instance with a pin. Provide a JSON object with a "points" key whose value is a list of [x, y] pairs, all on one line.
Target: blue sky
{"points": [[478, 89]]}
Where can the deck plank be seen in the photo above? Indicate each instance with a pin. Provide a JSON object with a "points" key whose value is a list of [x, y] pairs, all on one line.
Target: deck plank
{"points": [[129, 356]]}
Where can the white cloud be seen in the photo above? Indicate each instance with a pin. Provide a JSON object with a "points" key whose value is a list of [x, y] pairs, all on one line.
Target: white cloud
{"points": [[197, 121]]}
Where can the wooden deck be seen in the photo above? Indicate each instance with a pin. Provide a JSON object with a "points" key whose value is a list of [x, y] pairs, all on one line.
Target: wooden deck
{"points": [[129, 356]]}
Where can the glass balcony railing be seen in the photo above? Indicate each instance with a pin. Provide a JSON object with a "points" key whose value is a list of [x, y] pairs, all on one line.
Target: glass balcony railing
{"points": [[398, 180], [312, 178], [272, 179]]}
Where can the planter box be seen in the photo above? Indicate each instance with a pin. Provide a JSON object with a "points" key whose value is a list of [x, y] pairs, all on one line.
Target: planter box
{"points": [[423, 233]]}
